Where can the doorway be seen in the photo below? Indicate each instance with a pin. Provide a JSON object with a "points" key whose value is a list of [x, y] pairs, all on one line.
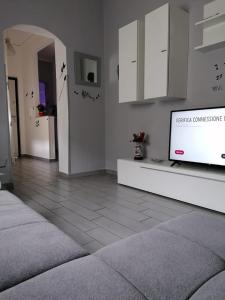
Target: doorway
{"points": [[14, 121], [29, 93]]}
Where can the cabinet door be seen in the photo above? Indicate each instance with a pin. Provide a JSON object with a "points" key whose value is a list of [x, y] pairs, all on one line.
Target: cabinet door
{"points": [[128, 55], [156, 52]]}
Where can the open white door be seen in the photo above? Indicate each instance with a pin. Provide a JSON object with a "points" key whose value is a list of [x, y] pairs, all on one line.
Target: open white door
{"points": [[13, 119]]}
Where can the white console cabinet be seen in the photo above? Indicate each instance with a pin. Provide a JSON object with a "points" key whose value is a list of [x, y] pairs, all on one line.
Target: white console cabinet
{"points": [[200, 186]]}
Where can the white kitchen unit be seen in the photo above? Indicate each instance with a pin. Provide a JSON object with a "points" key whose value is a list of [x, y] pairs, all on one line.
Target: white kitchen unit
{"points": [[131, 60], [166, 53], [43, 138], [200, 186], [213, 26]]}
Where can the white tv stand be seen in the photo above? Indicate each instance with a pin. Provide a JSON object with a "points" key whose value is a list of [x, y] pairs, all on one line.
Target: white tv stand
{"points": [[198, 185]]}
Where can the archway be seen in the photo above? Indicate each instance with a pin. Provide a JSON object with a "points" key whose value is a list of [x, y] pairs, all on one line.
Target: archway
{"points": [[61, 92]]}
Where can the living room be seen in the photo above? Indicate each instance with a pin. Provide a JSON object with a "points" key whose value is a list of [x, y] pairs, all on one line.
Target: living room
{"points": [[116, 217]]}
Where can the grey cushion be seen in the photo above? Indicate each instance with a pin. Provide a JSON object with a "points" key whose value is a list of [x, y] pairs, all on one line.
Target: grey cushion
{"points": [[29, 245], [204, 229], [214, 289], [16, 215], [83, 279], [14, 212], [162, 265], [8, 198]]}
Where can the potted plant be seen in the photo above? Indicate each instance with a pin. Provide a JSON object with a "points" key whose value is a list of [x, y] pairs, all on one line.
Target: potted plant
{"points": [[139, 139], [41, 110]]}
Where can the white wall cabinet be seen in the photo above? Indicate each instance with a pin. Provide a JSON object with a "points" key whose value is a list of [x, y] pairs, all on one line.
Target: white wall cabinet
{"points": [[166, 53], [131, 56]]}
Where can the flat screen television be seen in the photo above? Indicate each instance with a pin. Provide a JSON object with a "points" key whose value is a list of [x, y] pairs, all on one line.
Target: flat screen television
{"points": [[198, 136]]}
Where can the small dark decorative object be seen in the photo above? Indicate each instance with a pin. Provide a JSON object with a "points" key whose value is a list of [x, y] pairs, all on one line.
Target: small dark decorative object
{"points": [[85, 94], [218, 87], [139, 150], [41, 110], [91, 77], [63, 67], [37, 123]]}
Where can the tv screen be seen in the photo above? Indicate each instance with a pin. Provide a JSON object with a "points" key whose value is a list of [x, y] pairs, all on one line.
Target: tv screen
{"points": [[198, 136]]}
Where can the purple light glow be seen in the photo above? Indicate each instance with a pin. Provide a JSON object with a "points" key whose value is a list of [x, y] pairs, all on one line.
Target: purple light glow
{"points": [[42, 93]]}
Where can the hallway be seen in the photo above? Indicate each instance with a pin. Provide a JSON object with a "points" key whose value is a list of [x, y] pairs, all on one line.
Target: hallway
{"points": [[93, 210]]}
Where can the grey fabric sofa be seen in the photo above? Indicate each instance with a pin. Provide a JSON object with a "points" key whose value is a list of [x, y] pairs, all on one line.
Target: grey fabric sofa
{"points": [[181, 259]]}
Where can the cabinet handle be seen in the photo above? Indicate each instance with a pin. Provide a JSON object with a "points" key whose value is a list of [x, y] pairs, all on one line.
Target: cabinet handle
{"points": [[133, 61], [165, 50]]}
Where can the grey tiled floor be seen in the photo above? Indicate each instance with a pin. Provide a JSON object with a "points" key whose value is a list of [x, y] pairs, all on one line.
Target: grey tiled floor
{"points": [[93, 210]]}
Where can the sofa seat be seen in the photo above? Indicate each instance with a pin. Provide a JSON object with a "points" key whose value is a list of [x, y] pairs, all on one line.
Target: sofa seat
{"points": [[179, 260], [214, 289], [84, 279], [206, 230], [29, 245], [162, 265]]}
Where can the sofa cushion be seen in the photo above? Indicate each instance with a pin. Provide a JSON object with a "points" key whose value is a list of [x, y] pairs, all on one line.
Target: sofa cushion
{"points": [[162, 265], [204, 229], [8, 198], [13, 212], [214, 289], [17, 215], [84, 279], [30, 249]]}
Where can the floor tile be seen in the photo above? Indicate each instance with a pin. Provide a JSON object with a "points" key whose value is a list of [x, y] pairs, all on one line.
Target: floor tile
{"points": [[93, 246], [94, 210], [73, 218], [122, 219], [79, 236], [114, 227], [103, 236], [82, 211], [157, 215]]}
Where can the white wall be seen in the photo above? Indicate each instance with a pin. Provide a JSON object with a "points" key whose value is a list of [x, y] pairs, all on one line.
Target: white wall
{"points": [[79, 25]]}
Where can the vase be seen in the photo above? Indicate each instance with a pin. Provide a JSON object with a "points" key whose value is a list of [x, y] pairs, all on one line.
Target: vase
{"points": [[139, 151], [41, 113]]}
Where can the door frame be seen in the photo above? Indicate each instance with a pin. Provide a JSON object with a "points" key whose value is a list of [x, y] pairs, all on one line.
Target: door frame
{"points": [[17, 112]]}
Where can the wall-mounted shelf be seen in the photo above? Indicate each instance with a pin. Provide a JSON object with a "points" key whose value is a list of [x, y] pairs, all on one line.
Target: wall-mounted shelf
{"points": [[211, 21], [213, 26], [210, 47]]}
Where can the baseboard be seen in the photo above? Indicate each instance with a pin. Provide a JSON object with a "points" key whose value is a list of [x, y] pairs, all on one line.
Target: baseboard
{"points": [[38, 158], [91, 173], [82, 174], [111, 172]]}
